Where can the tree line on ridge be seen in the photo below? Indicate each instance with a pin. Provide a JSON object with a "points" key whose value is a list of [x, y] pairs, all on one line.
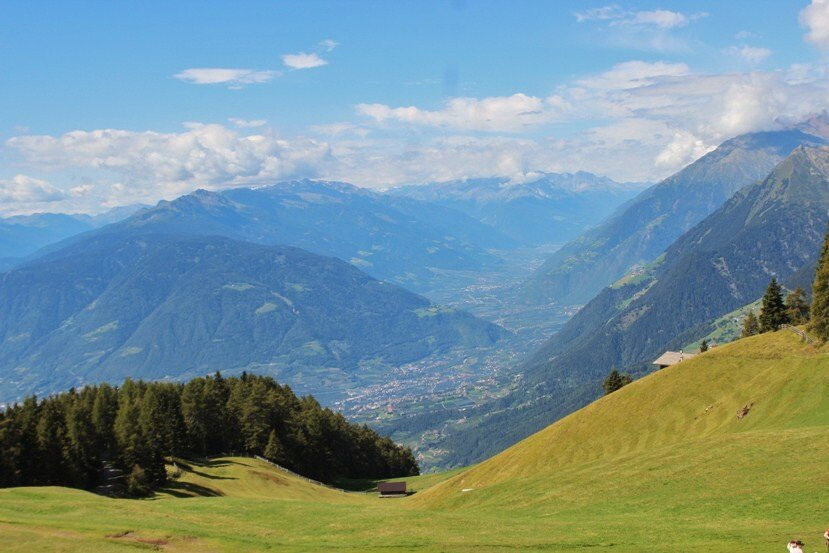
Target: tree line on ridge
{"points": [[69, 438]]}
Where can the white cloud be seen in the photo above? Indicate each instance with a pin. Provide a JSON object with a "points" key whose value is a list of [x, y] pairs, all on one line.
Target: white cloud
{"points": [[519, 111], [500, 113], [635, 121], [247, 123], [647, 30], [151, 165], [643, 121], [232, 77], [604, 13], [664, 19], [303, 60], [22, 189], [328, 44], [750, 54], [633, 74], [613, 13], [815, 17]]}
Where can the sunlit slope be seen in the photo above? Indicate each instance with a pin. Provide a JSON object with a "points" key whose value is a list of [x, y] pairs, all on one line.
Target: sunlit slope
{"points": [[243, 477], [671, 444]]}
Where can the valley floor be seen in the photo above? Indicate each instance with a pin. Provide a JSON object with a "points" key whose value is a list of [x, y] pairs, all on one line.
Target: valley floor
{"points": [[662, 465]]}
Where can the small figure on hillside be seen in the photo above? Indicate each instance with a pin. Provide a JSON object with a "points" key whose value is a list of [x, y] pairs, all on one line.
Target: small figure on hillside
{"points": [[826, 537], [744, 410], [795, 546]]}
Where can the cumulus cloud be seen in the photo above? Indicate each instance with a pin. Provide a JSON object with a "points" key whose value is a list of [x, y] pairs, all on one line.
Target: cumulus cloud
{"points": [[303, 60], [635, 121], [22, 189], [151, 165], [232, 77], [815, 17], [750, 54], [643, 121], [500, 113]]}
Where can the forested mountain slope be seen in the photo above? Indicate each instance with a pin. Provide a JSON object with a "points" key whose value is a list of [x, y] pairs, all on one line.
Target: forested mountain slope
{"points": [[648, 224], [152, 306]]}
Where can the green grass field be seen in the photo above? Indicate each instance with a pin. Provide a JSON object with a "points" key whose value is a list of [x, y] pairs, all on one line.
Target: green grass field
{"points": [[662, 465]]}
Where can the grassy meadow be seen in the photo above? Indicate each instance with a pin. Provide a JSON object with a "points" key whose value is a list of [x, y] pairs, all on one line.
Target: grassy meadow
{"points": [[661, 465]]}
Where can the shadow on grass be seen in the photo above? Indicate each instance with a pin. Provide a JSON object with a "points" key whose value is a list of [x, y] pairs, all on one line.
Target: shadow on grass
{"points": [[191, 467], [188, 489]]}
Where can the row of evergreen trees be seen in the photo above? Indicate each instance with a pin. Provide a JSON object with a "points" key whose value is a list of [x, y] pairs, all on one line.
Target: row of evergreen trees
{"points": [[775, 312], [795, 309], [67, 439]]}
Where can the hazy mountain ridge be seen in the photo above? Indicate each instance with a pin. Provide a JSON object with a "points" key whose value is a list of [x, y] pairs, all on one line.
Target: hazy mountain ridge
{"points": [[23, 235], [395, 239], [549, 208], [153, 306], [648, 224]]}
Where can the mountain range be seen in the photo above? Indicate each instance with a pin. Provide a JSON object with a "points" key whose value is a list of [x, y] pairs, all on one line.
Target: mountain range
{"points": [[548, 208], [772, 227], [23, 235], [648, 224], [113, 305], [400, 240]]}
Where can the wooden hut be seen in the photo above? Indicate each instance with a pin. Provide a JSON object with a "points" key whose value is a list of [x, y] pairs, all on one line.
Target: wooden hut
{"points": [[392, 489]]}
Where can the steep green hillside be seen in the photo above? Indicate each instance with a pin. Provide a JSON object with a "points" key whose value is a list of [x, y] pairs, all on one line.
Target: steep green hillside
{"points": [[644, 227], [663, 465], [111, 307], [673, 438]]}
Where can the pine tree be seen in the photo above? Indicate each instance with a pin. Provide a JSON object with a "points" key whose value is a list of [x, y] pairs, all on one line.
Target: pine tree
{"points": [[274, 450], [819, 324], [703, 347], [797, 309], [751, 325], [773, 314], [615, 381]]}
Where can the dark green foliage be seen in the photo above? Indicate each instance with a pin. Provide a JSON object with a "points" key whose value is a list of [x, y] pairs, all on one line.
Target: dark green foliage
{"points": [[65, 439], [820, 295], [751, 326], [703, 346], [615, 381], [773, 313], [797, 308], [138, 483]]}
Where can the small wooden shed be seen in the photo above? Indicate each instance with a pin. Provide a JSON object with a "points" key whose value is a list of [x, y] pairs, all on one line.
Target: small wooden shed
{"points": [[392, 489], [672, 358]]}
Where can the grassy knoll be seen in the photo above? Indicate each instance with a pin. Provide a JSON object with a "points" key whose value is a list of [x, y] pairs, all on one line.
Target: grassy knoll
{"points": [[661, 465]]}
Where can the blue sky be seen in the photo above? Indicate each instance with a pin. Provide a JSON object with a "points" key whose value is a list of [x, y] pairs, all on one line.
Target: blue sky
{"points": [[106, 103]]}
